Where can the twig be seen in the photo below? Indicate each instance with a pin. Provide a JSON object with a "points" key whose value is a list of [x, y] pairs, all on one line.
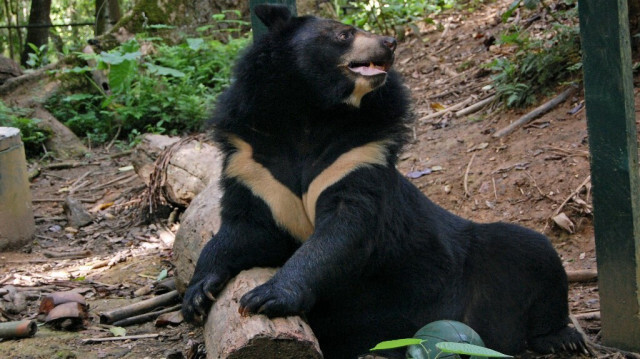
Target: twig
{"points": [[495, 192], [39, 200], [538, 111], [466, 176], [113, 140], [475, 107], [575, 192], [446, 110], [444, 68], [66, 165], [113, 339], [114, 155], [117, 179], [74, 186], [67, 255]]}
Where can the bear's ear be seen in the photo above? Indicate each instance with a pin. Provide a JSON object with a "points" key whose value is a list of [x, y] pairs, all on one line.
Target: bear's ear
{"points": [[272, 16]]}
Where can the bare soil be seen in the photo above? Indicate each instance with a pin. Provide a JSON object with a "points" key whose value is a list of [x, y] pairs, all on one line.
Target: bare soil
{"points": [[524, 178]]}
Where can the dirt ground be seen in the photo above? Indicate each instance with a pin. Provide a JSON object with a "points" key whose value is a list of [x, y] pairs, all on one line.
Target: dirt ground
{"points": [[526, 177]]}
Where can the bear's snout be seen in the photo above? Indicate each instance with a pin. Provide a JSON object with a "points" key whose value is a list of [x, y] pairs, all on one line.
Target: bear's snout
{"points": [[390, 42]]}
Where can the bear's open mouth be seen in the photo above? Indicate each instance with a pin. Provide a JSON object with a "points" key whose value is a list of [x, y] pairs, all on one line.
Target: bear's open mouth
{"points": [[369, 68]]}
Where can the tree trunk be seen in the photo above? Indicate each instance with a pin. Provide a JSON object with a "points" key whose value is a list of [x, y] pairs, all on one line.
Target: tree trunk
{"points": [[101, 17], [38, 32], [114, 12]]}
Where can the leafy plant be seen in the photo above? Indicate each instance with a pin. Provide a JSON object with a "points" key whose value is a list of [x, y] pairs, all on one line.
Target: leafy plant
{"points": [[167, 91], [33, 137], [38, 57], [444, 347], [385, 17], [537, 66]]}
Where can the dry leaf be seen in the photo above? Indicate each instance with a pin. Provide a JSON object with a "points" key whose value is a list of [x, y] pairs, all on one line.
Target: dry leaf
{"points": [[564, 222]]}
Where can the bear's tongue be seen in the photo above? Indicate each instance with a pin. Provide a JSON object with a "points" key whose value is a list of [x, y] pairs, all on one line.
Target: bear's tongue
{"points": [[370, 70]]}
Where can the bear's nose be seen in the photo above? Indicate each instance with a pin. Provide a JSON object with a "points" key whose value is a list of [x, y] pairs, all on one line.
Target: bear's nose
{"points": [[390, 42]]}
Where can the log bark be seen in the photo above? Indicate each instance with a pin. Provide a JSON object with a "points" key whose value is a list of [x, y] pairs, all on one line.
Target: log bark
{"points": [[229, 335], [199, 222], [190, 168]]}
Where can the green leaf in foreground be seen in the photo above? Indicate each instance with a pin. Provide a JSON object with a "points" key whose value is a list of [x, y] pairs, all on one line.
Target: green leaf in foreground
{"points": [[398, 343], [469, 349]]}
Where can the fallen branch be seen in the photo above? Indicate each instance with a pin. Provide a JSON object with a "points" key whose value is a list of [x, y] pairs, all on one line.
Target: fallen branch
{"points": [[587, 275], [466, 176], [137, 308], [114, 339], [475, 107], [146, 317], [595, 315], [537, 112], [67, 255], [446, 110], [67, 165], [574, 193]]}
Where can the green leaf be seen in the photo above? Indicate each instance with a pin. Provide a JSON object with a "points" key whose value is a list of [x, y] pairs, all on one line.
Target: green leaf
{"points": [[531, 4], [121, 74], [77, 97], [469, 349], [162, 275], [164, 71], [118, 331], [510, 10], [398, 343], [195, 44]]}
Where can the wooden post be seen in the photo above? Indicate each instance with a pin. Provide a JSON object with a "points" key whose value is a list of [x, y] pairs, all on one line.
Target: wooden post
{"points": [[258, 27], [17, 224], [604, 29]]}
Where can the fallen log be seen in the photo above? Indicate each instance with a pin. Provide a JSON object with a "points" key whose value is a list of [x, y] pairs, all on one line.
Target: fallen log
{"points": [[538, 111], [199, 222], [229, 335], [585, 275]]}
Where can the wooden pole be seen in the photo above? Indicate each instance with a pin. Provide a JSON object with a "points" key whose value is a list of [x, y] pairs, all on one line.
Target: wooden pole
{"points": [[604, 29]]}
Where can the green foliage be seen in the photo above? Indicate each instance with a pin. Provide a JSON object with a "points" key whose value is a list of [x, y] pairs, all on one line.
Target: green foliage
{"points": [[38, 57], [385, 17], [537, 66], [32, 136], [165, 92], [444, 347]]}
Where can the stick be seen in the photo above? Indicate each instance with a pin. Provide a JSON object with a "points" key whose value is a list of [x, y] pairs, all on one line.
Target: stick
{"points": [[446, 110], [595, 315], [475, 107], [146, 317], [67, 255], [586, 275], [466, 176], [538, 111], [575, 192], [139, 307], [114, 339], [117, 179], [65, 165]]}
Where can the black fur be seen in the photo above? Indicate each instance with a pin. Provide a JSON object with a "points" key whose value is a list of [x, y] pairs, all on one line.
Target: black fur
{"points": [[382, 259]]}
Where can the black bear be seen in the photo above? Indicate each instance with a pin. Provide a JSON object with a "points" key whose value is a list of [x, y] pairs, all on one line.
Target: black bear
{"points": [[311, 128]]}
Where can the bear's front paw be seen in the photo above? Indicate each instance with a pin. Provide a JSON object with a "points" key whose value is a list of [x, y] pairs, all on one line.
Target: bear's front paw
{"points": [[274, 300], [199, 297]]}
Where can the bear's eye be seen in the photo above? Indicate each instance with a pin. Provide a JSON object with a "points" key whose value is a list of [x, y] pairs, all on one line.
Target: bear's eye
{"points": [[344, 35]]}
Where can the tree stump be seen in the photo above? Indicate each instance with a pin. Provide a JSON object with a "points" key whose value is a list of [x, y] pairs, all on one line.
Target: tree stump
{"points": [[229, 335], [17, 224]]}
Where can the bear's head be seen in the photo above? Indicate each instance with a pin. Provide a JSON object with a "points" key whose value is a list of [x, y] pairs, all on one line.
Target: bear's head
{"points": [[337, 63]]}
